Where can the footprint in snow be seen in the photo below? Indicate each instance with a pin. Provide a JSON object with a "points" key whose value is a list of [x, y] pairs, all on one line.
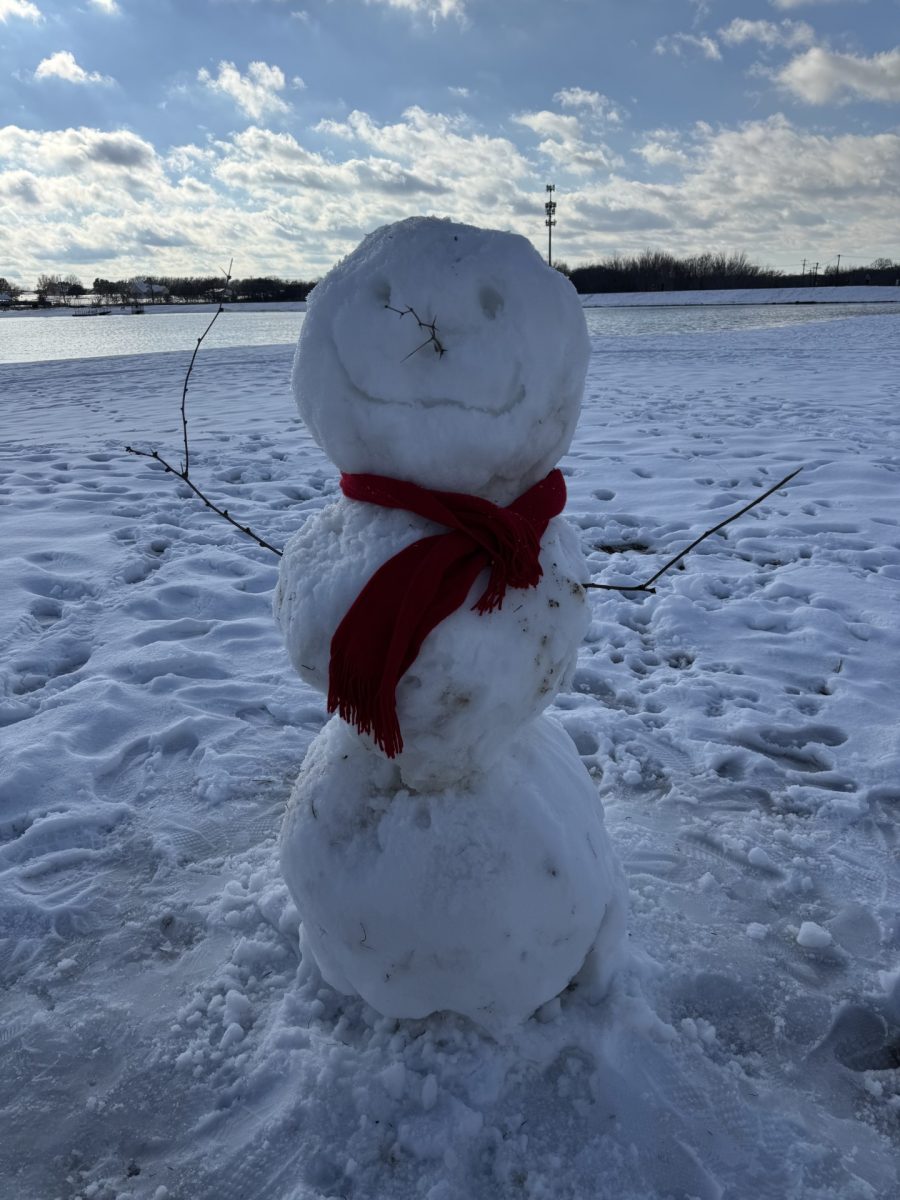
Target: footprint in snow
{"points": [[862, 1039], [798, 749], [46, 612], [177, 630], [142, 568], [138, 571], [47, 664], [884, 807]]}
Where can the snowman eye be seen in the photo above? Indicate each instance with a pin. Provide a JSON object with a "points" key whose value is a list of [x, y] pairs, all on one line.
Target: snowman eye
{"points": [[491, 302]]}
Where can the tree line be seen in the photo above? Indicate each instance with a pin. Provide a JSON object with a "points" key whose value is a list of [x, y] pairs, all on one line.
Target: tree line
{"points": [[161, 289], [659, 271], [649, 271]]}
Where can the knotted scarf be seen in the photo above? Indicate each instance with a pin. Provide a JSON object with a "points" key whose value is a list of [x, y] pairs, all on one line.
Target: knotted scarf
{"points": [[381, 635]]}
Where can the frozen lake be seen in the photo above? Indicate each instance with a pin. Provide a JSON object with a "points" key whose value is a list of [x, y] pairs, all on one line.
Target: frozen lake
{"points": [[44, 338], [57, 336]]}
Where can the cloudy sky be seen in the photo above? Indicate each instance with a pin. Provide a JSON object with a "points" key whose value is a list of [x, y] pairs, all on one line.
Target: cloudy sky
{"points": [[170, 135]]}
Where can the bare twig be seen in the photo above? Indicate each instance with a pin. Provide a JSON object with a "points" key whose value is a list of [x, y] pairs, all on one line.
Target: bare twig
{"points": [[432, 339], [223, 512], [647, 587], [184, 473], [185, 470]]}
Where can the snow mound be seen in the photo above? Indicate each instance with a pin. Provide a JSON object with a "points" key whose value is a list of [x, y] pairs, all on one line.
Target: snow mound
{"points": [[485, 899], [494, 412]]}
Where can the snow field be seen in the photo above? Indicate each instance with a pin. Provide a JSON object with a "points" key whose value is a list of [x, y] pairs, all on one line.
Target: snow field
{"points": [[158, 1030]]}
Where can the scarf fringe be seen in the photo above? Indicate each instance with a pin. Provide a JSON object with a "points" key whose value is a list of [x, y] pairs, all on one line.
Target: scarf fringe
{"points": [[368, 708], [525, 575]]}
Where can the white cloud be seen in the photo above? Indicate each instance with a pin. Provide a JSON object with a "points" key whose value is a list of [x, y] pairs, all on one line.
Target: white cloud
{"points": [[820, 76], [790, 34], [20, 8], [267, 165], [767, 187], [789, 4], [93, 195], [770, 170], [786, 33], [424, 163], [662, 148], [462, 93], [675, 43], [564, 142], [109, 7], [437, 147], [551, 124], [62, 65], [108, 203], [72, 151], [437, 10], [255, 93], [600, 105], [657, 154], [182, 159]]}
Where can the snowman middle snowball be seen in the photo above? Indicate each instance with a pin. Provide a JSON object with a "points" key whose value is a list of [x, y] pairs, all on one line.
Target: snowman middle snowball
{"points": [[472, 872]]}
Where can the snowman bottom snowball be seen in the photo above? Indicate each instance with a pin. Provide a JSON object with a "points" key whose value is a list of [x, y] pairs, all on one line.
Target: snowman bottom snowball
{"points": [[486, 899]]}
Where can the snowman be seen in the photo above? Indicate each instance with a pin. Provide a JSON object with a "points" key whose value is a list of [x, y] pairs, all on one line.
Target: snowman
{"points": [[444, 844]]}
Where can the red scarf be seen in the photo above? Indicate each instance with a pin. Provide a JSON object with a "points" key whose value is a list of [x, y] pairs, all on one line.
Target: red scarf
{"points": [[383, 631]]}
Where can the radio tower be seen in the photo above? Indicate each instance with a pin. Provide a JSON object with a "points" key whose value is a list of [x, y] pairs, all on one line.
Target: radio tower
{"points": [[550, 220]]}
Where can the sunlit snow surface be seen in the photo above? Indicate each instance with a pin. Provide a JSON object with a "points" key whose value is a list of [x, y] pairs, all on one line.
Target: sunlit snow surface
{"points": [[158, 1030]]}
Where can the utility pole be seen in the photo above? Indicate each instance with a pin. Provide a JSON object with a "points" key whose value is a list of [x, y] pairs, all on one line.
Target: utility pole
{"points": [[550, 221], [838, 268], [803, 269], [815, 272]]}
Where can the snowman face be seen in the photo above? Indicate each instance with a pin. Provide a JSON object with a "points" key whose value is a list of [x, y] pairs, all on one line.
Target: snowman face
{"points": [[446, 355]]}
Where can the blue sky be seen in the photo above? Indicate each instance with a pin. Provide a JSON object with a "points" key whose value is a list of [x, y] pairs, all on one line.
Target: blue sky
{"points": [[171, 135]]}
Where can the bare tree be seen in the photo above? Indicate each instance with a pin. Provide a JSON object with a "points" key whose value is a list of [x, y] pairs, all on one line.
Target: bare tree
{"points": [[47, 286]]}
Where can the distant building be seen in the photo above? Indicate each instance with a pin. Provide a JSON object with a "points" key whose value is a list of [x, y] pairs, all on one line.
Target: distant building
{"points": [[148, 291]]}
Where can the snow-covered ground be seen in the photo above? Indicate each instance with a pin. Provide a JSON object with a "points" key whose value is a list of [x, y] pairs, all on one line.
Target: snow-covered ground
{"points": [[851, 294], [160, 1038]]}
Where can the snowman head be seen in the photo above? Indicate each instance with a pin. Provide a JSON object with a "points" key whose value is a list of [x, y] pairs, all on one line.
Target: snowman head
{"points": [[446, 355]]}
